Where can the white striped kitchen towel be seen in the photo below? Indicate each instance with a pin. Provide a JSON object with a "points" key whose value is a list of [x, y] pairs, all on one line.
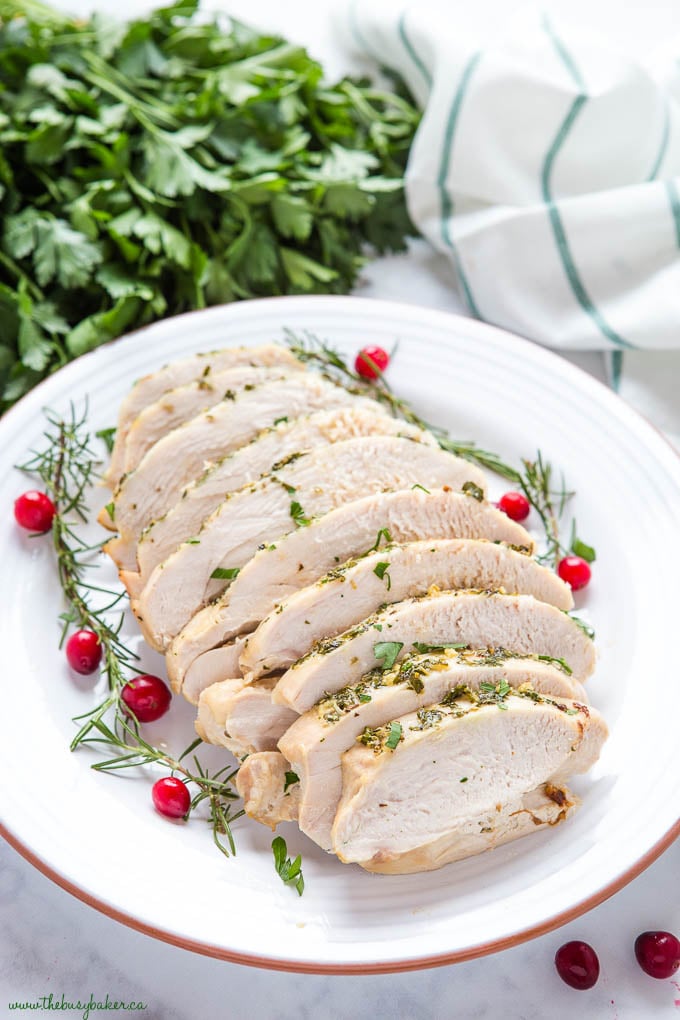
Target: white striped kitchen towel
{"points": [[547, 168]]}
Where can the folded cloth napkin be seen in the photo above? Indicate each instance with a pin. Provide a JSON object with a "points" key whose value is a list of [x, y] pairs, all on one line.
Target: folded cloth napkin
{"points": [[547, 168]]}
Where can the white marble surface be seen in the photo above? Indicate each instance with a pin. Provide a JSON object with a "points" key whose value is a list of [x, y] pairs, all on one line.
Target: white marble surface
{"points": [[50, 942]]}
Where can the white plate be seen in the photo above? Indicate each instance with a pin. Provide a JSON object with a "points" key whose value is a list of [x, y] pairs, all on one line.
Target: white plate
{"points": [[98, 836]]}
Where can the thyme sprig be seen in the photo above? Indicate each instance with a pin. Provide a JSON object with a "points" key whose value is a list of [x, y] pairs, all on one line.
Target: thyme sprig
{"points": [[535, 479], [67, 466]]}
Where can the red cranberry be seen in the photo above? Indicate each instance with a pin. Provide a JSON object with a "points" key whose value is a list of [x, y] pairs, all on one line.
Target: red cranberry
{"points": [[578, 965], [171, 797], [515, 505], [147, 697], [658, 953], [83, 651], [574, 571], [371, 362], [34, 511]]}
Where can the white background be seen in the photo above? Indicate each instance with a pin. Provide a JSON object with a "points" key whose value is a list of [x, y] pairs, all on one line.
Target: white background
{"points": [[50, 942]]}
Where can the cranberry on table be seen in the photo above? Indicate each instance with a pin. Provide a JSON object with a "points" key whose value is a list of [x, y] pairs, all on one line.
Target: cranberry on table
{"points": [[34, 511], [171, 797], [147, 697], [370, 358], [515, 505], [577, 964], [84, 652], [574, 571], [658, 953]]}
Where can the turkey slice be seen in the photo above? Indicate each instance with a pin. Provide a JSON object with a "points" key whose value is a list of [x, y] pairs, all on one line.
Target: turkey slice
{"points": [[195, 658], [184, 454], [271, 795], [429, 773], [518, 623], [547, 805], [200, 366], [185, 402], [306, 485], [312, 744], [355, 590], [247, 464]]}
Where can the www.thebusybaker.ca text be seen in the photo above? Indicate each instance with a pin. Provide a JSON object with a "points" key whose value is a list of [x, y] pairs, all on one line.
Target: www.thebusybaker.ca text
{"points": [[92, 1005]]}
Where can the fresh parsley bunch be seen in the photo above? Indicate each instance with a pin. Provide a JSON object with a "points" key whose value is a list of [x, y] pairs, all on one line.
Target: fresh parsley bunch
{"points": [[174, 162]]}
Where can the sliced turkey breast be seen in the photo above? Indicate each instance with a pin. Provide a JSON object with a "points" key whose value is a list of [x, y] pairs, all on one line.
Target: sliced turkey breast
{"points": [[303, 556], [272, 793], [547, 805], [518, 623], [308, 484], [181, 405], [313, 743], [268, 793], [358, 588], [247, 464], [183, 455], [185, 402], [200, 366], [242, 718], [426, 774]]}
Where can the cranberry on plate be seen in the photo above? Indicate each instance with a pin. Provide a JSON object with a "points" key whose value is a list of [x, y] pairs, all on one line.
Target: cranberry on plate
{"points": [[34, 511], [371, 362], [84, 652], [147, 697], [171, 797]]}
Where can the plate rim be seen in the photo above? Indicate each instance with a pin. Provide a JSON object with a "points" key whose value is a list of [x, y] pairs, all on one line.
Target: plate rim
{"points": [[304, 967], [435, 316]]}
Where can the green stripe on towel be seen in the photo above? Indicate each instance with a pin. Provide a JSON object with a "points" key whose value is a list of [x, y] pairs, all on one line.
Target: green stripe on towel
{"points": [[577, 285], [447, 204], [359, 37], [616, 369], [674, 199], [412, 52], [663, 144]]}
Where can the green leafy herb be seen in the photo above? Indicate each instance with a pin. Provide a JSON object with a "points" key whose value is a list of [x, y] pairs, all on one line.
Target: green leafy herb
{"points": [[562, 663], [463, 780], [470, 489], [108, 436], [298, 515], [172, 163], [384, 536], [111, 509], [421, 487], [585, 627], [381, 570], [580, 548], [415, 683], [290, 872], [278, 421], [290, 779], [394, 735], [388, 651], [422, 648], [225, 573], [496, 694]]}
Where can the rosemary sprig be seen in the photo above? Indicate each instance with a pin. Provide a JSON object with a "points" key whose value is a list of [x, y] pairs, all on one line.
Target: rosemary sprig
{"points": [[535, 479], [134, 751], [67, 467]]}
